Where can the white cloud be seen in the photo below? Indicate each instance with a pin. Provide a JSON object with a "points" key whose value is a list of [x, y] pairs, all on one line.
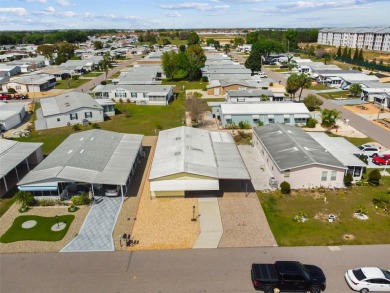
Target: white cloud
{"points": [[194, 5], [173, 14], [50, 9], [14, 10], [4, 19], [63, 3]]}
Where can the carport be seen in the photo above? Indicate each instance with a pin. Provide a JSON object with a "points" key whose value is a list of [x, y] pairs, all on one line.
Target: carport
{"points": [[93, 158], [189, 160]]}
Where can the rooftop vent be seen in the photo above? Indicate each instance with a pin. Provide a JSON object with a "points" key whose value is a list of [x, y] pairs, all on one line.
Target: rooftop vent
{"points": [[178, 138], [81, 139], [177, 153], [82, 151], [67, 104], [92, 138], [70, 151]]}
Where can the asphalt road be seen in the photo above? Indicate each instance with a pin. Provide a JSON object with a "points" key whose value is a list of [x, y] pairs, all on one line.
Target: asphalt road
{"points": [[196, 270]]}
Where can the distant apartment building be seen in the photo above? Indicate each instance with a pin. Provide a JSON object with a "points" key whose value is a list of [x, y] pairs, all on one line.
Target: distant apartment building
{"points": [[377, 39]]}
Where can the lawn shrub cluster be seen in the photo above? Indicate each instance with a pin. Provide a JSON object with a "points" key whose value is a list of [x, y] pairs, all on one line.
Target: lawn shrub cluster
{"points": [[81, 199]]}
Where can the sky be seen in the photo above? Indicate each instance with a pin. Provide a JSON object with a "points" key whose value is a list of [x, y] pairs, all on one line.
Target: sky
{"points": [[176, 14]]}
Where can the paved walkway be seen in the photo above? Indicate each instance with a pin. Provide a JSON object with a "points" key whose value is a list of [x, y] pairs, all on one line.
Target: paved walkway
{"points": [[96, 231], [211, 229], [256, 166]]}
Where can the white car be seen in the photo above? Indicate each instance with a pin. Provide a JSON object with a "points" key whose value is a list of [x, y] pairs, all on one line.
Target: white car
{"points": [[111, 190], [368, 279]]}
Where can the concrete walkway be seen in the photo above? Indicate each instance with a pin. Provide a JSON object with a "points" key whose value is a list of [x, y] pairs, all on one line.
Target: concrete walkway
{"points": [[96, 232], [211, 229], [260, 174]]}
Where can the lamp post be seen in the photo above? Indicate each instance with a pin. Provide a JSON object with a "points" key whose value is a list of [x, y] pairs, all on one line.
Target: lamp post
{"points": [[58, 224], [193, 214]]}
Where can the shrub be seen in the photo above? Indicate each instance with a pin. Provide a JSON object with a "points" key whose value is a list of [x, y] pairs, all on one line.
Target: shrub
{"points": [[285, 187], [103, 82], [197, 95], [11, 90], [128, 100], [75, 77], [95, 126], [374, 177], [260, 123], [300, 217], [120, 100], [231, 126], [76, 127], [311, 123], [46, 202], [24, 198], [205, 79], [79, 200], [348, 179], [244, 125]]}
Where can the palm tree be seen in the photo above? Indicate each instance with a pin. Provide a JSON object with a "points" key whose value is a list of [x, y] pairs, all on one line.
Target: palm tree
{"points": [[304, 83]]}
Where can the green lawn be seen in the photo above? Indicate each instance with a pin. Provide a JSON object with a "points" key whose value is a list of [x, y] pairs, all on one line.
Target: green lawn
{"points": [[63, 84], [92, 74], [319, 87], [354, 140], [280, 210], [41, 231], [335, 95]]}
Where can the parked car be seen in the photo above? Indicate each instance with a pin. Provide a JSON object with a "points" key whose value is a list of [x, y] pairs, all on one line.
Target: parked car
{"points": [[369, 150], [288, 276], [5, 96], [19, 97], [368, 279], [111, 190], [382, 160]]}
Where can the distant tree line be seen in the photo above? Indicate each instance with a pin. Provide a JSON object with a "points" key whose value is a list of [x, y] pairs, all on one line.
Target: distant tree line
{"points": [[48, 37], [290, 37]]}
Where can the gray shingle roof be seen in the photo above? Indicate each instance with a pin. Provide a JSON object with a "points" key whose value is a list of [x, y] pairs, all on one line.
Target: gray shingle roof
{"points": [[67, 102], [291, 147]]}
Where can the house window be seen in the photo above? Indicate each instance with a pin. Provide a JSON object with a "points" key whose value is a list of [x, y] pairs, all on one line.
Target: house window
{"points": [[133, 95], [228, 121], [300, 120], [88, 114], [333, 176], [287, 173], [18, 87], [324, 175], [120, 94], [255, 121], [58, 119], [287, 120], [73, 116], [271, 120], [145, 95]]}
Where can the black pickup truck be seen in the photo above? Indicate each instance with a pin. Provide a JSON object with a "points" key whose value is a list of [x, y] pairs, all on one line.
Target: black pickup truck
{"points": [[290, 276]]}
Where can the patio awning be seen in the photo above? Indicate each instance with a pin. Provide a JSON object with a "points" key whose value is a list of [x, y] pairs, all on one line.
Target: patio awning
{"points": [[271, 116], [52, 186], [228, 116], [301, 116], [255, 116], [179, 185], [286, 116]]}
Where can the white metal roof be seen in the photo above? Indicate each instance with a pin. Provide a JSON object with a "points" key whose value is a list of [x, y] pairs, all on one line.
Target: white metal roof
{"points": [[264, 108], [12, 153], [94, 156], [196, 151]]}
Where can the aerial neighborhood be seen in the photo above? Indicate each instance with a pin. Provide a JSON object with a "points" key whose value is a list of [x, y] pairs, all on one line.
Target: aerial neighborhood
{"points": [[139, 140]]}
